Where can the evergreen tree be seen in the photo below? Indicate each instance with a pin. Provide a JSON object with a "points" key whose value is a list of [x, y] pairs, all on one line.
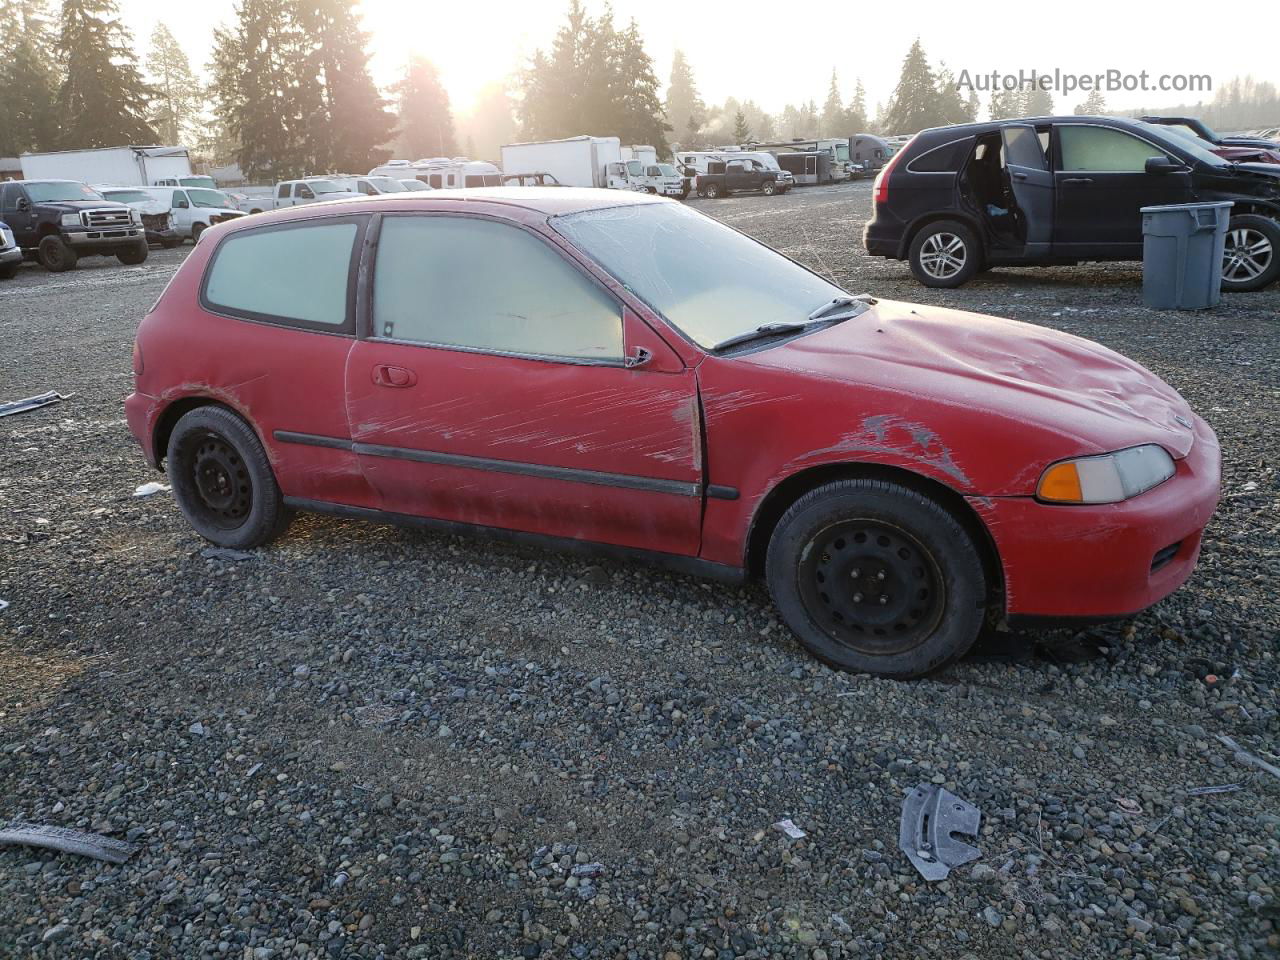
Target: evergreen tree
{"points": [[686, 113], [490, 123], [972, 106], [596, 80], [1036, 102], [178, 99], [1006, 104], [426, 122], [350, 121], [791, 122], [741, 132], [28, 79], [913, 105], [855, 115], [102, 101], [1094, 104], [949, 106], [833, 115]]}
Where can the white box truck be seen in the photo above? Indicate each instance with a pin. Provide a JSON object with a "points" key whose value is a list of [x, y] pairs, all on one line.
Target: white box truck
{"points": [[575, 162], [118, 166]]}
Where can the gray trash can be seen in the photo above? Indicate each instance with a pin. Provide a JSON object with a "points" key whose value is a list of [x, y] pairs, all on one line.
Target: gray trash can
{"points": [[1182, 247]]}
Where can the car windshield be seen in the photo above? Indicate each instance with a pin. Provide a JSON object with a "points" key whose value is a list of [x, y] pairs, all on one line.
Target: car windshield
{"points": [[667, 170], [708, 280], [1191, 144], [127, 196], [414, 185], [60, 191], [209, 198], [388, 184], [198, 182], [326, 186]]}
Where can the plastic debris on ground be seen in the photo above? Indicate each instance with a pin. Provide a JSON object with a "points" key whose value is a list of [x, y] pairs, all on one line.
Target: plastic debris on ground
{"points": [[32, 403], [67, 840], [790, 829], [3, 604], [150, 489], [1216, 788], [225, 553], [1244, 756], [931, 816]]}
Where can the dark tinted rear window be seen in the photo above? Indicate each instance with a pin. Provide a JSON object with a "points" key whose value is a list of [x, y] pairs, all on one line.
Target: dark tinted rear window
{"points": [[947, 158]]}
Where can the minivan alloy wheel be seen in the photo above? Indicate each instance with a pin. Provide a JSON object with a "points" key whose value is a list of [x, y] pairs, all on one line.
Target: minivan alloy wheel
{"points": [[1247, 255], [943, 255]]}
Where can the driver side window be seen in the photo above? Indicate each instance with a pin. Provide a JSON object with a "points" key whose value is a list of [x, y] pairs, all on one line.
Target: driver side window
{"points": [[1103, 150], [304, 192]]}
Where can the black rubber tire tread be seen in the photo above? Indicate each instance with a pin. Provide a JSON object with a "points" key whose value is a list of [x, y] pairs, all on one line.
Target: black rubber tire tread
{"points": [[67, 258], [132, 256], [268, 517], [196, 230], [1272, 229], [9, 271], [929, 522], [972, 262]]}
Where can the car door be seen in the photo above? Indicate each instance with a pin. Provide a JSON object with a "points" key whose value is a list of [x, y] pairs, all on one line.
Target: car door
{"points": [[736, 176], [1031, 182], [1101, 184], [15, 210], [182, 212], [284, 195], [494, 388]]}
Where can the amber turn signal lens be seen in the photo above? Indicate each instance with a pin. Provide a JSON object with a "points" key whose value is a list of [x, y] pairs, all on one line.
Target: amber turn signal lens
{"points": [[1061, 483]]}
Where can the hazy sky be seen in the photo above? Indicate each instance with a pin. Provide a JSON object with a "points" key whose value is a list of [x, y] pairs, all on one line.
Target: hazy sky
{"points": [[779, 53]]}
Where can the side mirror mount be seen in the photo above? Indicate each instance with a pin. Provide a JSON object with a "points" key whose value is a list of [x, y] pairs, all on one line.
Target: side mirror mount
{"points": [[24, 204], [1163, 165], [182, 205], [639, 357]]}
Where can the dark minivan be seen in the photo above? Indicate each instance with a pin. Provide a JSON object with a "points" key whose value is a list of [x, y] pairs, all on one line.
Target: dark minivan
{"points": [[1060, 190]]}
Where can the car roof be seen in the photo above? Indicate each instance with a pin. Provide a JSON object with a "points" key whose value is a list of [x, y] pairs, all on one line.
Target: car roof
{"points": [[986, 126]]}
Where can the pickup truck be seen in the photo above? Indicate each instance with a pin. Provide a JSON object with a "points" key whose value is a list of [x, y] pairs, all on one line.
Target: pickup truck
{"points": [[294, 193], [734, 176], [59, 221]]}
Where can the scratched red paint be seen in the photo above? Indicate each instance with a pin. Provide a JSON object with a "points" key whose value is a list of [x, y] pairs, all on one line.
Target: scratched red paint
{"points": [[978, 405]]}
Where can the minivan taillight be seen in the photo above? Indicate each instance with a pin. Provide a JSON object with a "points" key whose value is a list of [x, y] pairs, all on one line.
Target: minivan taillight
{"points": [[882, 178]]}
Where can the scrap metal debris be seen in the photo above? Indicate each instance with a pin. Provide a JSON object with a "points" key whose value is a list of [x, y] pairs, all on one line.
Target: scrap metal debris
{"points": [[3, 604], [1244, 756], [790, 829], [931, 816], [1128, 805], [1216, 788], [68, 841], [32, 403], [149, 489]]}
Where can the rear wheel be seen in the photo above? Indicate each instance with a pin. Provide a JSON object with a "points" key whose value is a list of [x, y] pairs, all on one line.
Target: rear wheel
{"points": [[713, 191], [134, 255], [56, 255], [944, 254], [222, 480], [1251, 258], [876, 578]]}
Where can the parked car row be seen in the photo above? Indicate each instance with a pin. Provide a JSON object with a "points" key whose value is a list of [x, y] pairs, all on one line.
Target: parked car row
{"points": [[1062, 190], [59, 221]]}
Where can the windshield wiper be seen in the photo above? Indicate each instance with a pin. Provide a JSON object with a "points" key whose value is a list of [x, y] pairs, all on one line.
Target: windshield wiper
{"points": [[829, 312], [831, 306], [759, 333]]}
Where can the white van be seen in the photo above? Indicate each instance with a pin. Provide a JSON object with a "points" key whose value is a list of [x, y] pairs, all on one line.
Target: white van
{"points": [[443, 173], [191, 209], [368, 186]]}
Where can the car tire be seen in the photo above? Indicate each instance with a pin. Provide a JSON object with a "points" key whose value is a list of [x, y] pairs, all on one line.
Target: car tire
{"points": [[132, 256], [196, 230], [169, 243], [255, 210], [222, 480], [934, 252], [56, 255], [1251, 259], [874, 577], [9, 271], [769, 188], [712, 191]]}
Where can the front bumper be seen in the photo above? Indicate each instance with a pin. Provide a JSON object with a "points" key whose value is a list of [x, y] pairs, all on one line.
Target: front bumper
{"points": [[160, 236], [10, 255], [1108, 560], [103, 237]]}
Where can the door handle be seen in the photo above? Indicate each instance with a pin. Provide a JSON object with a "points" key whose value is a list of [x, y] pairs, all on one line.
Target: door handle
{"points": [[1078, 180], [387, 375], [1019, 176]]}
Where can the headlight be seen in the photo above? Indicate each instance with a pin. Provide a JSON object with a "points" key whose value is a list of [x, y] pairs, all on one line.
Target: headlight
{"points": [[71, 219], [134, 215], [168, 220], [1109, 478]]}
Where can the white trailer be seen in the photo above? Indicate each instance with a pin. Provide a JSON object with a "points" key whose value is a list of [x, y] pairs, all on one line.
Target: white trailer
{"points": [[119, 166], [575, 162], [646, 154]]}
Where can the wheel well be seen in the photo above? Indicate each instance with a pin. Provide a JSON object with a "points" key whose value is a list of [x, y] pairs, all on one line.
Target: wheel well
{"points": [[1246, 208], [46, 229], [959, 216], [172, 414], [781, 497]]}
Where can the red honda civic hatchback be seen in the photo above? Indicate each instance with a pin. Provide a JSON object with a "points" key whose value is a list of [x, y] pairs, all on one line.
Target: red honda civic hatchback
{"points": [[567, 366]]}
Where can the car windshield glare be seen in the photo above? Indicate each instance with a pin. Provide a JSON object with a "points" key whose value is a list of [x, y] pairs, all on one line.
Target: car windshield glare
{"points": [[1191, 144], [128, 196], [326, 186], [60, 191], [388, 185], [208, 198], [708, 280]]}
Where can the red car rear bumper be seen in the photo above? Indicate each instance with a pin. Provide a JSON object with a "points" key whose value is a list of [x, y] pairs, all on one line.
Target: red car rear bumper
{"points": [[139, 412], [1107, 560]]}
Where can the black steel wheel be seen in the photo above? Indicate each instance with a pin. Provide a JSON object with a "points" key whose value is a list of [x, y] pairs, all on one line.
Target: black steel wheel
{"points": [[222, 479], [876, 577], [872, 585]]}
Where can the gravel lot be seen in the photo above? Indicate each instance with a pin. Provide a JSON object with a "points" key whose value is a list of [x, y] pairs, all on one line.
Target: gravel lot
{"points": [[368, 742]]}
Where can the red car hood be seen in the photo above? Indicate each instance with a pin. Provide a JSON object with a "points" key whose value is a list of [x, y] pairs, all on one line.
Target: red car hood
{"points": [[1021, 376]]}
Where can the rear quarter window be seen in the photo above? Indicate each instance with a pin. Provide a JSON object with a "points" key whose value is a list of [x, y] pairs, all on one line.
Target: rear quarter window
{"points": [[296, 274], [947, 158]]}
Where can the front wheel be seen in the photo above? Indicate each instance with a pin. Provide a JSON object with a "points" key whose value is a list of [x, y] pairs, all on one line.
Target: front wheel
{"points": [[873, 577], [768, 188], [945, 254], [222, 480], [9, 270], [134, 255], [169, 243], [1251, 257], [56, 255]]}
